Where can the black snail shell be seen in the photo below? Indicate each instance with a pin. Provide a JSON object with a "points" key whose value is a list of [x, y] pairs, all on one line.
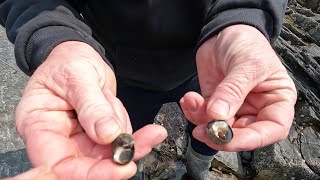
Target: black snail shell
{"points": [[123, 148], [219, 132]]}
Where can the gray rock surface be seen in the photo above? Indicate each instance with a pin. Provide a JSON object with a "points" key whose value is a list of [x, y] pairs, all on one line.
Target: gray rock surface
{"points": [[314, 5], [297, 157], [282, 161], [13, 163], [13, 159]]}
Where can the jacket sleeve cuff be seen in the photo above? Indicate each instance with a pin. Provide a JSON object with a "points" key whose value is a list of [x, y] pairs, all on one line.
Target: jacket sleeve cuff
{"points": [[34, 51], [257, 18]]}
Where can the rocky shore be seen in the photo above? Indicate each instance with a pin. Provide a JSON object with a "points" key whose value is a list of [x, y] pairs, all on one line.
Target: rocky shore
{"points": [[297, 157]]}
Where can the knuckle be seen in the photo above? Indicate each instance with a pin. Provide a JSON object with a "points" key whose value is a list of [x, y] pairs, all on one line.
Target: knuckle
{"points": [[95, 111], [28, 124], [232, 91]]}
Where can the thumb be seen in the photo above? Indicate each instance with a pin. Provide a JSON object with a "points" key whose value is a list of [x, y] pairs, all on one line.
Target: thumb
{"points": [[230, 94], [82, 78], [98, 114]]}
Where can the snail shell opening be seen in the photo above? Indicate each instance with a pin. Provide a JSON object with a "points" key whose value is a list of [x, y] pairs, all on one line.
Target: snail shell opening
{"points": [[219, 132]]}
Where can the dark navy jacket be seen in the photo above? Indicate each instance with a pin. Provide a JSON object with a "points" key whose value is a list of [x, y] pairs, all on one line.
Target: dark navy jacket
{"points": [[149, 43]]}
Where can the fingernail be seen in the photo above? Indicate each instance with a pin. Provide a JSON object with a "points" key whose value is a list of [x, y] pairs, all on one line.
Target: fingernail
{"points": [[220, 108], [106, 129]]}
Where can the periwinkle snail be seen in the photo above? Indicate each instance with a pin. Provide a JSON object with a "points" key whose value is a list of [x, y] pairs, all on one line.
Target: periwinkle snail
{"points": [[123, 148], [219, 132]]}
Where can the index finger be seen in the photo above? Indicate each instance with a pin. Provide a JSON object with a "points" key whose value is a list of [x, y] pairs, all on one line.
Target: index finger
{"points": [[148, 137], [271, 125]]}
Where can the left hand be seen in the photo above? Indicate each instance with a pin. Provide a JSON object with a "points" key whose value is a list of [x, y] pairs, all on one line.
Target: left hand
{"points": [[243, 81]]}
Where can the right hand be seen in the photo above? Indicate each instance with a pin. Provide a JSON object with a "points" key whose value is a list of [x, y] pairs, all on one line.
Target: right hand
{"points": [[74, 78]]}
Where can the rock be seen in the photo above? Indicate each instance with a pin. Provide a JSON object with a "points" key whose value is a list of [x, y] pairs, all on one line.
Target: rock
{"points": [[281, 161], [167, 160], [291, 38], [13, 79], [13, 159], [13, 163], [304, 11], [301, 2], [228, 163], [315, 33], [312, 4], [297, 157], [310, 145], [301, 62], [181, 143], [303, 22]]}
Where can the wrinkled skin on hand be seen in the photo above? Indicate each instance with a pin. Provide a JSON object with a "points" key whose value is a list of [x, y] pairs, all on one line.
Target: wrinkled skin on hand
{"points": [[40, 173], [74, 78], [243, 81]]}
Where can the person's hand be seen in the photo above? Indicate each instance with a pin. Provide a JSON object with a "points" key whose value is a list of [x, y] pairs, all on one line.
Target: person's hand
{"points": [[40, 173], [69, 115], [243, 81]]}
